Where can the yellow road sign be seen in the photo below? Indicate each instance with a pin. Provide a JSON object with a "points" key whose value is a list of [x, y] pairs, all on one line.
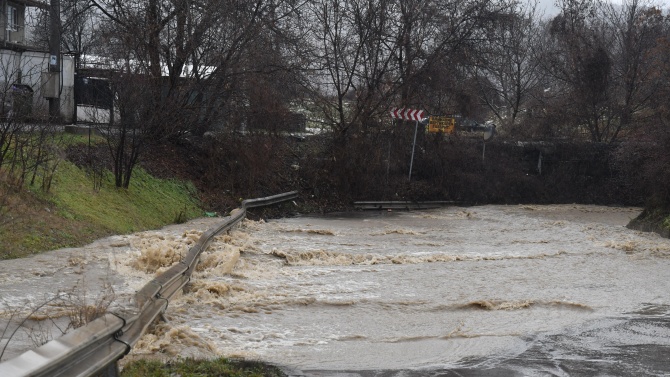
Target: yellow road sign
{"points": [[441, 124]]}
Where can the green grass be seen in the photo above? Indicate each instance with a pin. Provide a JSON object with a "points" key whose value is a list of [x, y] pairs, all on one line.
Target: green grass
{"points": [[77, 139], [655, 218], [200, 368], [73, 213], [147, 203]]}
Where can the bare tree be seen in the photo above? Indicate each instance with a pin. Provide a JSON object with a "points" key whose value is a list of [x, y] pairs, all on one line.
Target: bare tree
{"points": [[353, 72], [637, 27], [79, 27], [578, 58], [386, 48], [602, 59], [506, 66], [192, 60], [369, 56]]}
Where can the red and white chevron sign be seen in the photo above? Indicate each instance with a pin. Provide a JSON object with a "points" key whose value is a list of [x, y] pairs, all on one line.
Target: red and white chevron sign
{"points": [[407, 114]]}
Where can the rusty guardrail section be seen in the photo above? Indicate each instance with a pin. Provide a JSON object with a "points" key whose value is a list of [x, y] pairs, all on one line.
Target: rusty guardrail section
{"points": [[96, 347]]}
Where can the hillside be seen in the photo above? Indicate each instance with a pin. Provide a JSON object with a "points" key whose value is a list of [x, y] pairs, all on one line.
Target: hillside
{"points": [[74, 212]]}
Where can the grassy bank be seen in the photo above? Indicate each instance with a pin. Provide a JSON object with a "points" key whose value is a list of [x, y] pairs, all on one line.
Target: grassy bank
{"points": [[198, 368], [653, 219], [74, 212], [80, 207]]}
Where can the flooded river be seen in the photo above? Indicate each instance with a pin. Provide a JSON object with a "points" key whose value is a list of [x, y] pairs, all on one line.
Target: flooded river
{"points": [[562, 290]]}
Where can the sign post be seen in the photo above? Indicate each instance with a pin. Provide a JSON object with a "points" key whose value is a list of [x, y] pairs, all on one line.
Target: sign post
{"points": [[409, 114], [411, 161]]}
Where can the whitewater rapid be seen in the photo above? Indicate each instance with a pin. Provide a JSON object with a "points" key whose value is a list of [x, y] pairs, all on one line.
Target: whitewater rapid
{"points": [[452, 289]]}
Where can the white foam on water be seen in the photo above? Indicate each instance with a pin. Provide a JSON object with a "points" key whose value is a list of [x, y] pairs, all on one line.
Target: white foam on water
{"points": [[404, 290], [419, 289]]}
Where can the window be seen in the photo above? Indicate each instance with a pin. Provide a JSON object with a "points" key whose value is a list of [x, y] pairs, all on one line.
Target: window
{"points": [[12, 18]]}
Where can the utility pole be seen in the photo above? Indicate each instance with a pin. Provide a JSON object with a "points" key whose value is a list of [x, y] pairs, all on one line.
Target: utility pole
{"points": [[54, 60]]}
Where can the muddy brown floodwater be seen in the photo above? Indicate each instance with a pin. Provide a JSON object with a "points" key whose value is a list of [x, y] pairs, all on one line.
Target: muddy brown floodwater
{"points": [[563, 290]]}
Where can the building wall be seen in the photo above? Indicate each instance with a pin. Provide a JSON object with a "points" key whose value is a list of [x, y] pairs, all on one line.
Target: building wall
{"points": [[13, 36], [27, 68]]}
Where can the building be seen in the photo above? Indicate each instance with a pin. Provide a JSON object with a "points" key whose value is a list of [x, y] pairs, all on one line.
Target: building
{"points": [[22, 67]]}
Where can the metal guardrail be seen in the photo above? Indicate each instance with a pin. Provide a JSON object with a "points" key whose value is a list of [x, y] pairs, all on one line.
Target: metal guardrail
{"points": [[402, 205], [96, 347]]}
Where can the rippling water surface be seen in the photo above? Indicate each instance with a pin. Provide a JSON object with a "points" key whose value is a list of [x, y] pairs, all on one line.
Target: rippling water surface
{"points": [[491, 290]]}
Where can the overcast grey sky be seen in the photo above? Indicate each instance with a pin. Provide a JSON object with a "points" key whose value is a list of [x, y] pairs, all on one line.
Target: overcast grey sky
{"points": [[548, 7]]}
